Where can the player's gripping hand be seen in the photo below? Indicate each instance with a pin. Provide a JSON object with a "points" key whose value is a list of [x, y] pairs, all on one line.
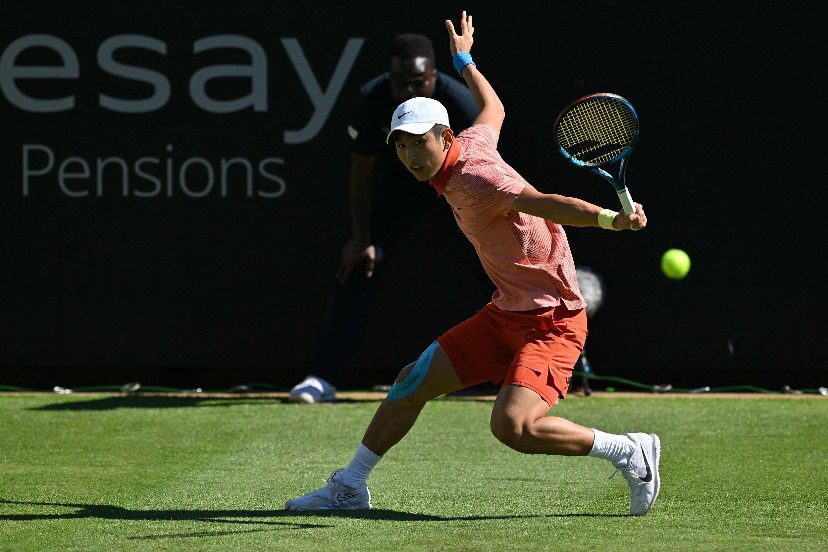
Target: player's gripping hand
{"points": [[634, 221], [462, 42]]}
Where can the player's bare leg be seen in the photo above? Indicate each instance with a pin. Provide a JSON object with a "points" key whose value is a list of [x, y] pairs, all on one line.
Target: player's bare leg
{"points": [[397, 413], [520, 421], [431, 376]]}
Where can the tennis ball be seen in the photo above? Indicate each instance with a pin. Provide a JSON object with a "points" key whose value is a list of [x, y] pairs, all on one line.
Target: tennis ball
{"points": [[675, 264]]}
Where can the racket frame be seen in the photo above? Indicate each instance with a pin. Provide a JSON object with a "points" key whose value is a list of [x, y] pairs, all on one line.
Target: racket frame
{"points": [[619, 182]]}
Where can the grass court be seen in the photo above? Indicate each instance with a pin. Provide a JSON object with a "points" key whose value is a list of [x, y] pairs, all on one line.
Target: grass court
{"points": [[201, 472]]}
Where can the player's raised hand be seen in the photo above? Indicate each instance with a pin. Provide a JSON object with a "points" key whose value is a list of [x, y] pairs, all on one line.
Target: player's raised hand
{"points": [[462, 42]]}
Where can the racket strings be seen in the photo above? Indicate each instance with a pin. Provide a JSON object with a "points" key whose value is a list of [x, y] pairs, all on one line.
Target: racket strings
{"points": [[597, 130]]}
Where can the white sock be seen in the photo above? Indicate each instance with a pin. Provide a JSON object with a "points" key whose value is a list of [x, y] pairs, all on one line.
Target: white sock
{"points": [[361, 466], [616, 448]]}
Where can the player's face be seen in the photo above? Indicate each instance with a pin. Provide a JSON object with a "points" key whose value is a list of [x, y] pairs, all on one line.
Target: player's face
{"points": [[411, 78], [422, 154]]}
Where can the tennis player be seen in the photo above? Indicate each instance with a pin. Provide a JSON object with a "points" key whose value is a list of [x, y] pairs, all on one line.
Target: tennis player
{"points": [[528, 338]]}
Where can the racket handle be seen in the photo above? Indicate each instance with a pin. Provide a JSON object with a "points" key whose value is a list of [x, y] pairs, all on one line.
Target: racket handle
{"points": [[626, 201]]}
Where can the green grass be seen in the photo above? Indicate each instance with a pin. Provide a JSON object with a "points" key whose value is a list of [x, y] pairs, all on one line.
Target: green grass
{"points": [[103, 472]]}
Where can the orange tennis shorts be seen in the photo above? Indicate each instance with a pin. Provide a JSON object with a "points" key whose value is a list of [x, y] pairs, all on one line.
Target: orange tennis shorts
{"points": [[535, 349]]}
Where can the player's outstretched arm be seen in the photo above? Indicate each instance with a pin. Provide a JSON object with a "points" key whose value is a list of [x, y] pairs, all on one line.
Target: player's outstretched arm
{"points": [[572, 211], [491, 108]]}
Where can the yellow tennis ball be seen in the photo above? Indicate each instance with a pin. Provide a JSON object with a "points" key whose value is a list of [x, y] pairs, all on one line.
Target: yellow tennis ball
{"points": [[675, 264]]}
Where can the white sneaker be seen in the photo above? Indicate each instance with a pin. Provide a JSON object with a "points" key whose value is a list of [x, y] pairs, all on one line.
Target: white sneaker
{"points": [[641, 472], [312, 390], [336, 495]]}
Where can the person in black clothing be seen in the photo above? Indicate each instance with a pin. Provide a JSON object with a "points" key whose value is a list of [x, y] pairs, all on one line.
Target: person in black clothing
{"points": [[377, 180]]}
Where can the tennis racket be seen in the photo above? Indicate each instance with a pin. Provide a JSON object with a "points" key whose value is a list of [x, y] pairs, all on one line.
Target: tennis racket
{"points": [[596, 132]]}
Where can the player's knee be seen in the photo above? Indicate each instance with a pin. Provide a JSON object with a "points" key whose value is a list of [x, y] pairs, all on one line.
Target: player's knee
{"points": [[404, 374], [409, 384], [410, 399], [510, 431]]}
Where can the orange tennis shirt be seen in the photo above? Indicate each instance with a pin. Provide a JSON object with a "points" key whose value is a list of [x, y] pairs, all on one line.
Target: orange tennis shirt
{"points": [[527, 257]]}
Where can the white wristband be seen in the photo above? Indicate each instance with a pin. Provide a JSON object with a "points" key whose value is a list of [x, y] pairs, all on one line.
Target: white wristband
{"points": [[605, 218]]}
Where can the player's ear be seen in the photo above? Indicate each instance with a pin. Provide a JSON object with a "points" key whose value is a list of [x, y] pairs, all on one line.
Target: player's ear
{"points": [[448, 138]]}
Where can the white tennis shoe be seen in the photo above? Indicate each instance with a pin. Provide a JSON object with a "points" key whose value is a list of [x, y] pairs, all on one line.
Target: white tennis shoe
{"points": [[335, 495], [311, 390], [641, 472]]}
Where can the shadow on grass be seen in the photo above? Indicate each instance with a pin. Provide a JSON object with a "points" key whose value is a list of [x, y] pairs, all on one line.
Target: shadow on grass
{"points": [[172, 401], [139, 400], [108, 511], [261, 517], [394, 515]]}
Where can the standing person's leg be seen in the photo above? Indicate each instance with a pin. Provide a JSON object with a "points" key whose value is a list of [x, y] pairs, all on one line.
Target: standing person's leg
{"points": [[343, 327], [431, 376], [346, 318]]}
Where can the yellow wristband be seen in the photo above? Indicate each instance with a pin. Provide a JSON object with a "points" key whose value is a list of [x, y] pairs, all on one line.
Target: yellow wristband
{"points": [[605, 218]]}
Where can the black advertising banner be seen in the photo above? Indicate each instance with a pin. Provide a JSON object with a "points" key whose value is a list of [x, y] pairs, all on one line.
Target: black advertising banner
{"points": [[173, 198]]}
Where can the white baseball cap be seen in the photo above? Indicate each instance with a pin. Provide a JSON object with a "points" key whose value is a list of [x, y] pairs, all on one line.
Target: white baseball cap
{"points": [[418, 116]]}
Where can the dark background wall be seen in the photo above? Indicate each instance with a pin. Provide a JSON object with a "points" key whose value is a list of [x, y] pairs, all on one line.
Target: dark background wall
{"points": [[156, 285]]}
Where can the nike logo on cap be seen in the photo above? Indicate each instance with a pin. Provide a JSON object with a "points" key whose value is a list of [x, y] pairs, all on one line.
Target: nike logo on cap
{"points": [[649, 475], [401, 115]]}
